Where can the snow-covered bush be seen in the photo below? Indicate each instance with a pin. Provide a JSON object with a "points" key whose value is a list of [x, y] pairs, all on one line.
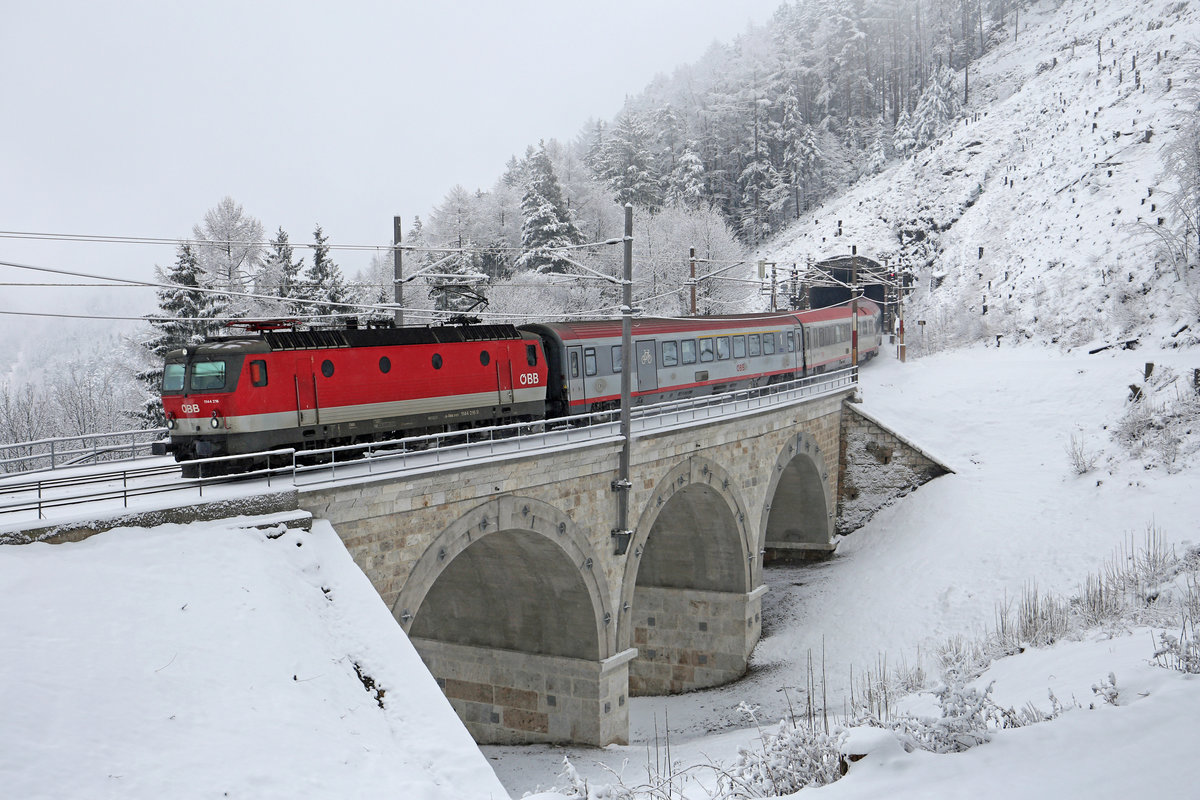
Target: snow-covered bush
{"points": [[1082, 459], [792, 757], [1160, 422]]}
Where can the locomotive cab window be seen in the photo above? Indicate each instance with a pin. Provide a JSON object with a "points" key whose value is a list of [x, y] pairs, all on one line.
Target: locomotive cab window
{"points": [[531, 355], [589, 361], [670, 354], [706, 350], [208, 376], [172, 380], [688, 351], [258, 373], [739, 347]]}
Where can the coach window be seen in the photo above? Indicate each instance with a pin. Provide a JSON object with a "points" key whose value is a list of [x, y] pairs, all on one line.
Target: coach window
{"points": [[573, 361], [485, 357], [531, 355], [739, 347], [589, 361], [437, 361], [722, 347], [687, 350], [616, 358], [670, 354], [755, 344], [768, 344], [385, 365], [791, 342], [706, 350], [258, 373]]}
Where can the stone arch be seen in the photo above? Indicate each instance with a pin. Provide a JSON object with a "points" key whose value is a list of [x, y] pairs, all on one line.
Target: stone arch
{"points": [[513, 573], [692, 534], [797, 514]]}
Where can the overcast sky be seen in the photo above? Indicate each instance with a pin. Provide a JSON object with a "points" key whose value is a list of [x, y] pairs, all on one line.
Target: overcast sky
{"points": [[134, 118]]}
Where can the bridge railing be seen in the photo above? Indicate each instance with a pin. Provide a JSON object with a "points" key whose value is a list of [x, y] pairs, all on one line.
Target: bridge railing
{"points": [[61, 451], [718, 405], [118, 487]]}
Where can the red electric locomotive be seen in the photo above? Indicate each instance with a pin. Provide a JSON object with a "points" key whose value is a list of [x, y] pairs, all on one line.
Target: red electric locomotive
{"points": [[308, 389]]}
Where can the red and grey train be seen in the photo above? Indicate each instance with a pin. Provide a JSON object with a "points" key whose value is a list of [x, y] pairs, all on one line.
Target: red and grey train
{"points": [[310, 389]]}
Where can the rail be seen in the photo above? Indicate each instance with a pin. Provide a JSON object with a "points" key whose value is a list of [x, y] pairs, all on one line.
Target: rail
{"points": [[299, 468], [61, 451]]}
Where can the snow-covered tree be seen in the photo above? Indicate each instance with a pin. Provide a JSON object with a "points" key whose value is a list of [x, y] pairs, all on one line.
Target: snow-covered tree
{"points": [[903, 138], [323, 280], [280, 276], [183, 318], [938, 106], [546, 224], [627, 163], [230, 249]]}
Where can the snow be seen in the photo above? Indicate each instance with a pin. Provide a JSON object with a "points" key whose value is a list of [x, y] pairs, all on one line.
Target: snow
{"points": [[213, 660]]}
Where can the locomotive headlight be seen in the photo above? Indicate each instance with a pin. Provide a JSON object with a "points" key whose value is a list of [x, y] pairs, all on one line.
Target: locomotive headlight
{"points": [[170, 421], [215, 421]]}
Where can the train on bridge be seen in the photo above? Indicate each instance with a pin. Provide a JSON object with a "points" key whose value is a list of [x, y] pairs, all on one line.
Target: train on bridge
{"points": [[309, 389]]}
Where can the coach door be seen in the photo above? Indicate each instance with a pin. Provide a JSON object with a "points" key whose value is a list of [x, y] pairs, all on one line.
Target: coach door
{"points": [[504, 376], [647, 365], [306, 393], [576, 386]]}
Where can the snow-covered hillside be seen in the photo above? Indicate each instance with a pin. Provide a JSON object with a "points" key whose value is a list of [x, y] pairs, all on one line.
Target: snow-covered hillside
{"points": [[1039, 211], [215, 660]]}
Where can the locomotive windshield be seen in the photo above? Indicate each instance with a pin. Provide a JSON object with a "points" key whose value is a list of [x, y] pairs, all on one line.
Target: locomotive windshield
{"points": [[208, 376], [201, 375], [172, 380]]}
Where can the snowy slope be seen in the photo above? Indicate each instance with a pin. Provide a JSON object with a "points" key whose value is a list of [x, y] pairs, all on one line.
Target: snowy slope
{"points": [[1053, 173], [208, 661]]}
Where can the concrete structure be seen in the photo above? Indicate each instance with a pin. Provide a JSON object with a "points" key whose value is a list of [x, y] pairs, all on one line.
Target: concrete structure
{"points": [[536, 622]]}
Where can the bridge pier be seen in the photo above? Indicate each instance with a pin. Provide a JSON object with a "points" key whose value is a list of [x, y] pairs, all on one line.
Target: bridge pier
{"points": [[691, 639], [509, 697]]}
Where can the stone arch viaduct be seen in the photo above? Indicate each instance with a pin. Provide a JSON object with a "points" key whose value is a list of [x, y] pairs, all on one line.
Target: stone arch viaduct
{"points": [[537, 622]]}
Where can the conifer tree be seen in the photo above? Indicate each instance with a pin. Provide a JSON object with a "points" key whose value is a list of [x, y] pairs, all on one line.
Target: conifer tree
{"points": [[280, 276], [323, 280], [546, 223], [184, 318]]}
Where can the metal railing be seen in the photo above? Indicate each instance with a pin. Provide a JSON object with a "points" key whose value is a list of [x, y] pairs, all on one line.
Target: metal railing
{"points": [[61, 451], [411, 454]]}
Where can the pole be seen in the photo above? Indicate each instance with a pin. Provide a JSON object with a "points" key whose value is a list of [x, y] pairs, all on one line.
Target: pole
{"points": [[774, 286], [622, 534], [397, 272], [854, 305], [900, 312], [692, 263]]}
